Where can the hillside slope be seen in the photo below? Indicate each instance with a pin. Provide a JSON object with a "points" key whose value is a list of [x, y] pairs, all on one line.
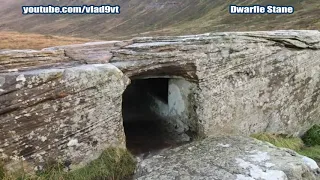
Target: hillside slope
{"points": [[156, 17], [15, 40]]}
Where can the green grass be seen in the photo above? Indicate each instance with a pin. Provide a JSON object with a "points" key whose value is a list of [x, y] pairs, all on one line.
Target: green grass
{"points": [[308, 145], [312, 137], [311, 152], [281, 141], [2, 171], [113, 164]]}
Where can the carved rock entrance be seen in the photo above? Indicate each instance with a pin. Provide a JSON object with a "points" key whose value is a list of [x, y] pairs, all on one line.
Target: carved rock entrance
{"points": [[156, 114]]}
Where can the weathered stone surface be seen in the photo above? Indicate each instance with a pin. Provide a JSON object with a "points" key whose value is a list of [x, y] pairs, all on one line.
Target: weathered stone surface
{"points": [[22, 60], [70, 114], [178, 115], [247, 81], [91, 53], [227, 158], [60, 56], [242, 83]]}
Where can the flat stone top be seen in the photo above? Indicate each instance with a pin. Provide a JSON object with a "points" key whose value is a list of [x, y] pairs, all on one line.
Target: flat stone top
{"points": [[227, 158], [152, 49]]}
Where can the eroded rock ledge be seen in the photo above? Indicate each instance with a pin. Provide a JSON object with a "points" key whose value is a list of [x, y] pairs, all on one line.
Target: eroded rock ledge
{"points": [[65, 102]]}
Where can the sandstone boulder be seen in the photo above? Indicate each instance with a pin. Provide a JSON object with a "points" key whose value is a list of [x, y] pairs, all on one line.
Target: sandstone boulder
{"points": [[69, 114], [65, 102], [227, 158], [247, 82]]}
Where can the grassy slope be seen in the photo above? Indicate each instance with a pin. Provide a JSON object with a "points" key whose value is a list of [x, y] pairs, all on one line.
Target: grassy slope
{"points": [[157, 17], [306, 16], [15, 40]]}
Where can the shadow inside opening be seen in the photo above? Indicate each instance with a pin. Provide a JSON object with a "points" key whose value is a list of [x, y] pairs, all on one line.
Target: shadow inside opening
{"points": [[143, 127]]}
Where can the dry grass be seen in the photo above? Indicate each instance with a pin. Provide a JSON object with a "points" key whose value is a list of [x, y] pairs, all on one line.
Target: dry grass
{"points": [[113, 164], [153, 18], [309, 145], [295, 144], [15, 40]]}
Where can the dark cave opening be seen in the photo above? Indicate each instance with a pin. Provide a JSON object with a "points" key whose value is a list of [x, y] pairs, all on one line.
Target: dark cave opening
{"points": [[143, 127]]}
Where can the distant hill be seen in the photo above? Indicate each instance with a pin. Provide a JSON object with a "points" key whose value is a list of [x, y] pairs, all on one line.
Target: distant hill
{"points": [[156, 17]]}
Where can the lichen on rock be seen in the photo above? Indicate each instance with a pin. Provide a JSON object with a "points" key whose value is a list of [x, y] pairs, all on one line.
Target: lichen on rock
{"points": [[243, 159], [65, 102]]}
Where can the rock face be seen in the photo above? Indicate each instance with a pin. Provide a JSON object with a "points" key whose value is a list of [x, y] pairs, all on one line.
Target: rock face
{"points": [[178, 114], [65, 102], [70, 114], [227, 158], [247, 82]]}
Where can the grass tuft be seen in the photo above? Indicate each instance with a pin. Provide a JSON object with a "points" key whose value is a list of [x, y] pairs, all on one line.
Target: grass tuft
{"points": [[311, 152], [113, 164], [308, 145], [312, 137], [2, 171], [280, 141]]}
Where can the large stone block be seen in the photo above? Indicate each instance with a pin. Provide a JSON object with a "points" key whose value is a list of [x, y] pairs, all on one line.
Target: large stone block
{"points": [[227, 158], [69, 114], [54, 106], [247, 82]]}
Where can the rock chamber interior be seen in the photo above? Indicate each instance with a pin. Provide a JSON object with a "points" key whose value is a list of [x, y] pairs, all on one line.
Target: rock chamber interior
{"points": [[158, 113]]}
